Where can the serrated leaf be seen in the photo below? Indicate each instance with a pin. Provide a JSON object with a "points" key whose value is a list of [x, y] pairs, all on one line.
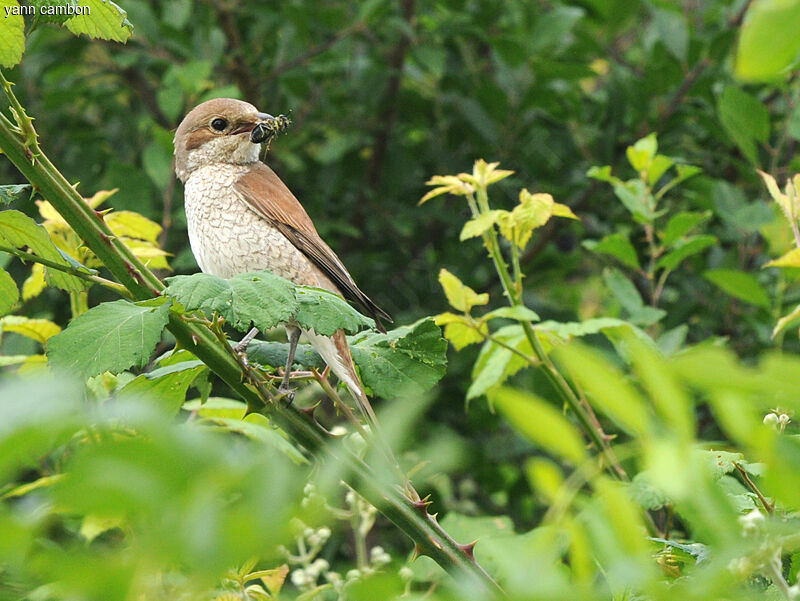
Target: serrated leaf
{"points": [[618, 246], [9, 293], [274, 354], [405, 361], [46, 11], [12, 42], [111, 337], [684, 249], [40, 330], [461, 335], [519, 313], [260, 298], [104, 20], [133, 225], [327, 312], [533, 211], [681, 224], [166, 386], [460, 297], [539, 422], [20, 231], [739, 284], [477, 226], [10, 193]]}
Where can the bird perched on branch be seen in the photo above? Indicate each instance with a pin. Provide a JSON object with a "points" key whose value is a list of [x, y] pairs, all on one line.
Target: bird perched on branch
{"points": [[243, 218]]}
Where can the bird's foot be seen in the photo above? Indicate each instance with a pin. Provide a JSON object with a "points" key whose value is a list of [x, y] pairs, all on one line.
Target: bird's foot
{"points": [[287, 393]]}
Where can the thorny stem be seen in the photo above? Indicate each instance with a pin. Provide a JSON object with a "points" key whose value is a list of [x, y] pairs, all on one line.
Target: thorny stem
{"points": [[551, 372], [78, 273], [18, 143]]}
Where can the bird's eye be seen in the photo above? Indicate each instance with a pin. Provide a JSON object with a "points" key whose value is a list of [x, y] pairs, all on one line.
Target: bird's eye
{"points": [[219, 124]]}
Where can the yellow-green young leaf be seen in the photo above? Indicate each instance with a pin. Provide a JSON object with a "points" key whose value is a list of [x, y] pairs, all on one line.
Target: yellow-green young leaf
{"points": [[560, 210], [20, 231], [789, 206], [12, 40], [739, 284], [641, 154], [658, 167], [150, 254], [785, 321], [33, 286], [103, 19], [545, 477], [40, 330], [93, 526], [533, 211], [460, 297], [484, 174], [9, 294], [540, 422], [133, 225], [273, 579], [461, 335], [480, 224], [446, 184], [607, 387], [790, 259]]}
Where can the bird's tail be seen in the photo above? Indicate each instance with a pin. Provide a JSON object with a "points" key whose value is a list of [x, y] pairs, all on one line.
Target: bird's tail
{"points": [[336, 353]]}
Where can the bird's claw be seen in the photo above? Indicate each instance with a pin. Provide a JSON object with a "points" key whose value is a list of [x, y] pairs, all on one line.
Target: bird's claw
{"points": [[286, 393]]}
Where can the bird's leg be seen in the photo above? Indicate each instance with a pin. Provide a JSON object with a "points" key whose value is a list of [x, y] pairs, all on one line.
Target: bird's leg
{"points": [[294, 337], [241, 346]]}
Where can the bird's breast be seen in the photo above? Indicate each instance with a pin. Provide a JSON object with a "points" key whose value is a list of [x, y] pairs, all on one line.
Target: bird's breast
{"points": [[228, 238]]}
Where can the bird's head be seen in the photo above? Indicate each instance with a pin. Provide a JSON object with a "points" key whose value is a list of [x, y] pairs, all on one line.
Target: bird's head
{"points": [[222, 130]]}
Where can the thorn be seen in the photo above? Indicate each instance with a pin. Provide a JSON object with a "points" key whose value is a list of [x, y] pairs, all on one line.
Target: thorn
{"points": [[106, 238], [433, 516], [469, 549], [309, 411], [422, 505], [195, 339], [99, 215], [416, 552]]}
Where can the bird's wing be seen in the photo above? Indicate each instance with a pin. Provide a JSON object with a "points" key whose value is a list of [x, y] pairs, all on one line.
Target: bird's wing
{"points": [[268, 196]]}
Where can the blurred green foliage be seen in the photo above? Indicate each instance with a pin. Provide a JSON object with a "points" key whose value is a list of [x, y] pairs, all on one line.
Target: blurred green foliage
{"points": [[648, 120]]}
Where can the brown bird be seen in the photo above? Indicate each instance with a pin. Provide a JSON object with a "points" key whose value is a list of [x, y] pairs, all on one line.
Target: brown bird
{"points": [[243, 218]]}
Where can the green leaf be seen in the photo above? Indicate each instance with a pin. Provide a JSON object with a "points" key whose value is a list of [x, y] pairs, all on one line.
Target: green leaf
{"points": [[9, 293], [103, 19], [684, 249], [518, 312], [540, 422], [112, 337], [744, 119], [768, 43], [326, 312], [672, 31], [642, 153], [603, 174], [10, 193], [572, 329], [607, 386], [274, 354], [630, 299], [404, 362], [739, 284], [618, 246], [460, 297], [260, 298], [681, 224], [789, 260], [480, 224], [12, 42], [495, 363], [461, 335], [257, 427], [634, 196], [157, 163], [46, 11], [20, 231], [658, 167], [166, 386]]}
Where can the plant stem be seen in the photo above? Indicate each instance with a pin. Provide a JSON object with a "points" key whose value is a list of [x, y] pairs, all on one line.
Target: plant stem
{"points": [[89, 277], [550, 370]]}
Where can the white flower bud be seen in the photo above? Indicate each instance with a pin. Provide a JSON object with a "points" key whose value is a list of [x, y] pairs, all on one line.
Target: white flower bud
{"points": [[353, 574], [406, 573], [770, 419]]}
